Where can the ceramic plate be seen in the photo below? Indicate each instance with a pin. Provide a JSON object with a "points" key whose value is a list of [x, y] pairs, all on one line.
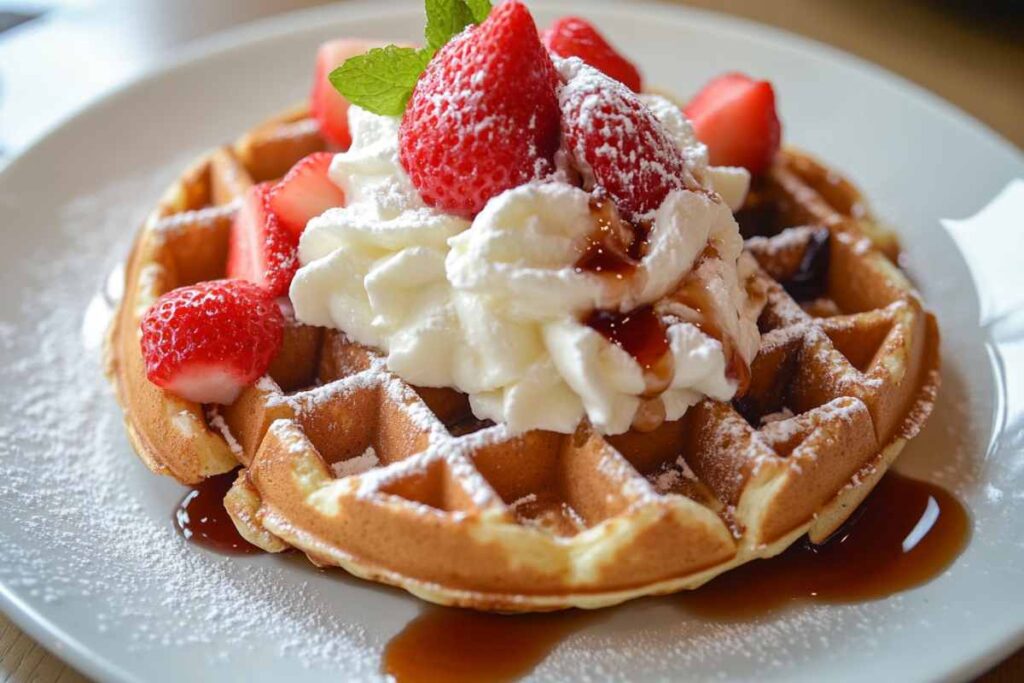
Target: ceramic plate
{"points": [[92, 567]]}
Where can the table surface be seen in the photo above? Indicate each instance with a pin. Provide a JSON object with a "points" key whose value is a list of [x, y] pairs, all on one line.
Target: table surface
{"points": [[976, 62]]}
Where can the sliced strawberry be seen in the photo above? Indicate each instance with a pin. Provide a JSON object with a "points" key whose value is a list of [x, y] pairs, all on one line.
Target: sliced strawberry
{"points": [[575, 37], [484, 115], [206, 342], [261, 251], [618, 144], [305, 192], [734, 115], [326, 104]]}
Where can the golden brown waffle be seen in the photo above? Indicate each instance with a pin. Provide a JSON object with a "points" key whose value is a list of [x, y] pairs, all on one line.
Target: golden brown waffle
{"points": [[346, 462]]}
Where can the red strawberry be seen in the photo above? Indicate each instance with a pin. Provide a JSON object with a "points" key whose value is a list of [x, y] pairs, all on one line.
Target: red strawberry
{"points": [[575, 37], [261, 251], [484, 115], [734, 115], [618, 144], [326, 104], [306, 191], [206, 342]]}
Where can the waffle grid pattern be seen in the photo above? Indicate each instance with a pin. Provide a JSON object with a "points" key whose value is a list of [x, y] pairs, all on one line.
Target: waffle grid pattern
{"points": [[462, 512]]}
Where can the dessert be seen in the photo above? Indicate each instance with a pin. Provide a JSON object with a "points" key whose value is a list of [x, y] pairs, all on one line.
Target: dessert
{"points": [[521, 358]]}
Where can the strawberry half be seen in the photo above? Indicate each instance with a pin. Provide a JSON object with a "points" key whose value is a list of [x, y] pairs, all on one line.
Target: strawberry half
{"points": [[734, 115], [575, 37], [618, 144], [206, 342], [483, 117], [305, 192], [327, 105], [261, 251]]}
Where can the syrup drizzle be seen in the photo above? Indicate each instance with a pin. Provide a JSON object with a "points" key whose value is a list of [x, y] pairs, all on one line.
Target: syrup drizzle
{"points": [[202, 519], [455, 645], [905, 534], [615, 247], [614, 250], [810, 281], [640, 333], [694, 294]]}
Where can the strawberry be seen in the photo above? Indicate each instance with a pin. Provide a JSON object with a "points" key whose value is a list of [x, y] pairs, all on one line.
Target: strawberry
{"points": [[260, 250], [483, 117], [734, 115], [575, 37], [328, 106], [206, 342], [306, 191], [618, 144]]}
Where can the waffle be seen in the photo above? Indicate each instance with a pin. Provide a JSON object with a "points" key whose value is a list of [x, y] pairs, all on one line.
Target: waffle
{"points": [[349, 464]]}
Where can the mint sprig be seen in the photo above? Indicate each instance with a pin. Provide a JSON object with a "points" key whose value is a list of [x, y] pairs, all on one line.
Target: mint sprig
{"points": [[479, 9], [382, 80], [445, 19]]}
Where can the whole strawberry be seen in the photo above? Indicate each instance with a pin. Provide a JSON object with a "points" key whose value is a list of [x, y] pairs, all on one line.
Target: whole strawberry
{"points": [[207, 341], [575, 37], [618, 144], [483, 117]]}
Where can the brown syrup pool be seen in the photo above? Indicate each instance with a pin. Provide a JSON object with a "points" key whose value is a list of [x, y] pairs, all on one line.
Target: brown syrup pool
{"points": [[202, 519], [455, 645], [906, 533]]}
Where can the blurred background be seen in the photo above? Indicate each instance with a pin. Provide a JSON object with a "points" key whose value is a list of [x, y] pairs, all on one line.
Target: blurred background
{"points": [[56, 55]]}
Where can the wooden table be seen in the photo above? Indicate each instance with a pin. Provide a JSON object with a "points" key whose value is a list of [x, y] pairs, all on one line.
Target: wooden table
{"points": [[975, 62]]}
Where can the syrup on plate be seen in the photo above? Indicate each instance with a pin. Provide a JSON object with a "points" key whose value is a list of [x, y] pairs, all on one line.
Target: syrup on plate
{"points": [[202, 519], [906, 533], [455, 645]]}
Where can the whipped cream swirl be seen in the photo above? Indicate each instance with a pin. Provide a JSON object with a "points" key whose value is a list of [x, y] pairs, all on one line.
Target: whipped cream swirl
{"points": [[494, 307]]}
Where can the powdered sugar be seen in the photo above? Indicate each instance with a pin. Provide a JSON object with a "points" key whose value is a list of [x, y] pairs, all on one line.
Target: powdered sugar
{"points": [[71, 489], [203, 218], [216, 421], [672, 475], [357, 465]]}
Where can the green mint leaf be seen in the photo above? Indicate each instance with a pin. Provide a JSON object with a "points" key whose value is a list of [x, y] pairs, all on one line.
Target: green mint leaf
{"points": [[382, 80], [479, 9], [445, 19]]}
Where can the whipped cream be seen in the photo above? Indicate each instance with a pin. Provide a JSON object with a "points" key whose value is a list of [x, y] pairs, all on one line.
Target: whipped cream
{"points": [[494, 307]]}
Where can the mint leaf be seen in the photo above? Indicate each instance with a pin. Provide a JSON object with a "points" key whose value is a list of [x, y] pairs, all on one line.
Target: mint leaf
{"points": [[381, 80], [479, 9], [445, 19]]}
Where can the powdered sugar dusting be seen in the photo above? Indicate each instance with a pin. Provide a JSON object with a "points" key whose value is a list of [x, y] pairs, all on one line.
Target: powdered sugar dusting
{"points": [[216, 421], [69, 482], [364, 462]]}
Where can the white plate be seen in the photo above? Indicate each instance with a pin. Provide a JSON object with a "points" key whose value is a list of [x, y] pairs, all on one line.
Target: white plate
{"points": [[92, 567]]}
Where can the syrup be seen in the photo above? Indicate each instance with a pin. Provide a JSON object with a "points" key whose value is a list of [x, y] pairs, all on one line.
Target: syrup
{"points": [[810, 281], [906, 533], [615, 247], [454, 645], [640, 333], [693, 294], [202, 519]]}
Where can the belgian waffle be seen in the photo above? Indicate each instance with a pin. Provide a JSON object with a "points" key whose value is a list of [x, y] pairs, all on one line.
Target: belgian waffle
{"points": [[344, 461]]}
